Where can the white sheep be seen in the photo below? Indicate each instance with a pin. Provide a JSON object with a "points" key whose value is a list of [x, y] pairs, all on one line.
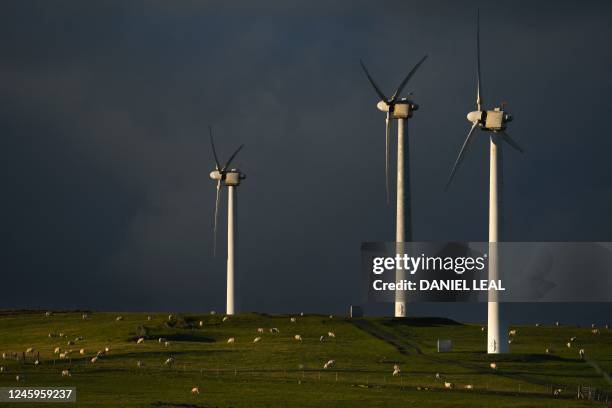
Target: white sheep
{"points": [[57, 350], [195, 390], [1, 369], [557, 392], [18, 378], [293, 320], [438, 376], [331, 316], [569, 344], [107, 349], [509, 341], [82, 351], [48, 314], [30, 350], [593, 325], [140, 340], [322, 339], [170, 317], [139, 364], [573, 339], [66, 373], [297, 337], [84, 316], [581, 353], [329, 364], [331, 335], [119, 318], [161, 340], [449, 385], [94, 360], [149, 318], [225, 318], [260, 330], [512, 332], [70, 343], [548, 351], [302, 314], [537, 325], [493, 366], [396, 370], [167, 344], [482, 329], [36, 362], [169, 361], [212, 312], [231, 340], [274, 330], [557, 324], [201, 323], [62, 334], [63, 355], [469, 387], [595, 331], [256, 339]]}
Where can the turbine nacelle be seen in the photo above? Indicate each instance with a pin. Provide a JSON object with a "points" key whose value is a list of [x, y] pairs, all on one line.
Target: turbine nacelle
{"points": [[401, 109], [490, 120]]}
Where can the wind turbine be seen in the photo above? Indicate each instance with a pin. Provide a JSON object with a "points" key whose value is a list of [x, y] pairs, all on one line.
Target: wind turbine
{"points": [[231, 178], [494, 122], [399, 109]]}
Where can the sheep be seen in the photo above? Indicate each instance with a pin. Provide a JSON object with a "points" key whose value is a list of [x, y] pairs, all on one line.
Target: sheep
{"points": [[231, 340], [18, 378], [170, 317], [438, 376], [57, 350], [1, 369], [139, 364], [100, 353], [161, 340], [469, 387], [449, 385], [62, 334], [167, 344], [331, 316], [66, 373], [140, 340], [84, 316], [557, 324], [482, 329], [537, 325], [149, 318], [30, 350], [48, 314], [51, 335], [581, 354], [70, 343], [201, 323], [509, 341], [573, 339], [82, 352], [119, 318], [302, 314], [607, 327], [293, 320], [297, 337], [595, 331], [493, 366], [548, 351], [396, 370], [512, 332], [195, 390], [274, 330], [331, 335], [256, 339], [569, 344], [260, 330], [225, 318], [557, 392], [329, 364], [593, 325], [63, 355], [78, 338], [212, 312], [94, 360], [107, 349], [36, 362], [322, 339], [169, 361]]}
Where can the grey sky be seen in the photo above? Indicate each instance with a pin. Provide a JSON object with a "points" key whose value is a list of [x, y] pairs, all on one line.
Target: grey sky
{"points": [[104, 106]]}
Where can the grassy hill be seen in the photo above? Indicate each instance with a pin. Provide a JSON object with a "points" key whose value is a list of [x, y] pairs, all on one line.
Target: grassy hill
{"points": [[281, 371]]}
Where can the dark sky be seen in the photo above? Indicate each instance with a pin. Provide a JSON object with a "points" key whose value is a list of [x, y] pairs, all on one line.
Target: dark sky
{"points": [[106, 201]]}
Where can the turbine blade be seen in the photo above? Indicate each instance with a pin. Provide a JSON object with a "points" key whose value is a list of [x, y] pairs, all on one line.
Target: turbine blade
{"points": [[478, 86], [212, 143], [511, 142], [467, 142], [387, 130], [216, 218], [376, 88], [400, 88], [232, 157]]}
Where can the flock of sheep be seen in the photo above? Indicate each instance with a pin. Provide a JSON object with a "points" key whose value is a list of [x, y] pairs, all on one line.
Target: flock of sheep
{"points": [[65, 353]]}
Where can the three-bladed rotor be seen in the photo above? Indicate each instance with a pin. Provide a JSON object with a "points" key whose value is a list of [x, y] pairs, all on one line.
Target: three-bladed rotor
{"points": [[231, 177], [494, 120], [404, 109]]}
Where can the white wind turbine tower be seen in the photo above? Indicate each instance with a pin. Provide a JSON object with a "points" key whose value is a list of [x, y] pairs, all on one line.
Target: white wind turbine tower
{"points": [[231, 179], [493, 121], [399, 109]]}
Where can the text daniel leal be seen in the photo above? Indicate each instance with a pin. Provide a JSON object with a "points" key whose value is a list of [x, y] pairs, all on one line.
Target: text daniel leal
{"points": [[449, 284]]}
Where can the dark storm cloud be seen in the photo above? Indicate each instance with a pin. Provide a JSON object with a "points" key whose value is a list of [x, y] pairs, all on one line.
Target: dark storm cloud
{"points": [[103, 114]]}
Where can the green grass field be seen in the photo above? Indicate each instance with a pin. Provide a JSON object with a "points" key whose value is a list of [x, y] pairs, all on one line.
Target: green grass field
{"points": [[281, 371]]}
